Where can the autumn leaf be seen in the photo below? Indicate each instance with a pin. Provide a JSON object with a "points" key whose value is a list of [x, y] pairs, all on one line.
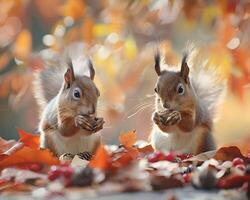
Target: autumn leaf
{"points": [[11, 150], [20, 175], [28, 155], [222, 154], [228, 153], [101, 159], [128, 139], [25, 151], [6, 144], [29, 139], [147, 149], [122, 161], [201, 157], [233, 181]]}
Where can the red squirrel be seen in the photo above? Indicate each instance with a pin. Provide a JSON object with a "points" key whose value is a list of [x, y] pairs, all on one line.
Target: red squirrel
{"points": [[68, 123], [185, 103]]}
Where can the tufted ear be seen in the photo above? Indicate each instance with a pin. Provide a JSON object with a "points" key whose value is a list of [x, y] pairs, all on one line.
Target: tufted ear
{"points": [[91, 70], [184, 68], [157, 63], [69, 76]]}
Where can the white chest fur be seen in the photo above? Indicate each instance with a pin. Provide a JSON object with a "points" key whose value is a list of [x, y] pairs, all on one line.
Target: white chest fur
{"points": [[74, 144], [174, 140]]}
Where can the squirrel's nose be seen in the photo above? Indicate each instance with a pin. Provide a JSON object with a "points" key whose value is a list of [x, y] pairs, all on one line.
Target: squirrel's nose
{"points": [[166, 105], [92, 111]]}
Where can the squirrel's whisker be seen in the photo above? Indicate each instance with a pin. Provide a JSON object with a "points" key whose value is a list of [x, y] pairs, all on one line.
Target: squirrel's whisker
{"points": [[139, 111], [137, 107]]}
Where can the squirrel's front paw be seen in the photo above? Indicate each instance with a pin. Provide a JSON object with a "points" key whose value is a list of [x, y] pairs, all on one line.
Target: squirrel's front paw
{"points": [[92, 125], [172, 119], [98, 124], [165, 119], [159, 122], [84, 122]]}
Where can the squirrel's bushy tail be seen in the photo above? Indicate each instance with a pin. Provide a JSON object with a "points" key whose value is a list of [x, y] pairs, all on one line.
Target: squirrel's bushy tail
{"points": [[47, 83], [207, 81]]}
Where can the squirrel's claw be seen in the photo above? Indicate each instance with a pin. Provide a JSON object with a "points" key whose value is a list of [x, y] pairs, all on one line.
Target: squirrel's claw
{"points": [[166, 118], [99, 125], [83, 122], [156, 118], [173, 118], [88, 123]]}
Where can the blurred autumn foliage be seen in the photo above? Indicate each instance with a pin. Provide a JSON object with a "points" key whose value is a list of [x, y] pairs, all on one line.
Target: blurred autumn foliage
{"points": [[121, 37]]}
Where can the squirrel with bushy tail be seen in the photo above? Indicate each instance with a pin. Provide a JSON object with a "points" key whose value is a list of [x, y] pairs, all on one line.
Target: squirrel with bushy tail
{"points": [[186, 104], [68, 101]]}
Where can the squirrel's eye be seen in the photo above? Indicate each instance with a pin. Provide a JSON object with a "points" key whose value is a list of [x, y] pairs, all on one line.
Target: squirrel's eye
{"points": [[77, 93], [180, 89]]}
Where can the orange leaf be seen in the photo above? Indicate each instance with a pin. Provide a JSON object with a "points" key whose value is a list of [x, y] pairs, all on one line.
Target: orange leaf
{"points": [[122, 161], [29, 139], [29, 155], [127, 139], [146, 149], [133, 152], [101, 159]]}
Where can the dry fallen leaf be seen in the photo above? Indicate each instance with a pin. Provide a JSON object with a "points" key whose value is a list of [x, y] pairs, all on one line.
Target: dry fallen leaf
{"points": [[128, 139], [29, 139], [20, 175], [233, 181], [11, 150], [6, 144], [146, 149], [122, 161], [201, 157], [28, 155], [228, 153], [26, 150], [101, 159]]}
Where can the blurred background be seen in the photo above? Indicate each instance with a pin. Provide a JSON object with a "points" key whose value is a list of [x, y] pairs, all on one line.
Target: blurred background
{"points": [[121, 37]]}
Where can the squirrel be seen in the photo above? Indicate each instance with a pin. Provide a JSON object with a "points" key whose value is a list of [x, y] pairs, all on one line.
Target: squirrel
{"points": [[68, 123], [186, 102]]}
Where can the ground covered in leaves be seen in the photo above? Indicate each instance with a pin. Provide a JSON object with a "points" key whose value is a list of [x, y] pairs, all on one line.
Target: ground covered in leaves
{"points": [[120, 171]]}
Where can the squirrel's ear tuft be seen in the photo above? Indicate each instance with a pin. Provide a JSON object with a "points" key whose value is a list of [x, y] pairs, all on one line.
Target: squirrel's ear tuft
{"points": [[69, 76], [91, 70], [184, 68], [157, 63]]}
